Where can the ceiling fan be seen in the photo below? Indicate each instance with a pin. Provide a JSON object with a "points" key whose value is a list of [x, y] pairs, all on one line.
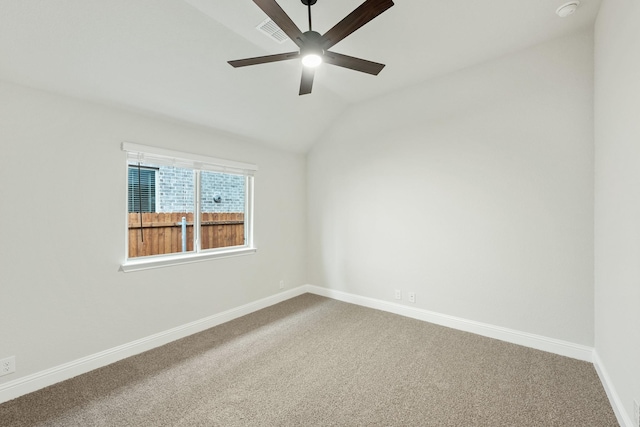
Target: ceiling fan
{"points": [[314, 48]]}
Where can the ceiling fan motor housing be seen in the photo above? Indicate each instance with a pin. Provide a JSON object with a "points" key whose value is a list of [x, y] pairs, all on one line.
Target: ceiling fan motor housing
{"points": [[312, 40], [311, 51], [307, 2]]}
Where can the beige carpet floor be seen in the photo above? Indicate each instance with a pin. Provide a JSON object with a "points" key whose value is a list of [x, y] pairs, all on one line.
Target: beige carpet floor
{"points": [[312, 361]]}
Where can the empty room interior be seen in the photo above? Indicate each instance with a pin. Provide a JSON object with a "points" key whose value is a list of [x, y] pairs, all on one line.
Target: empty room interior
{"points": [[438, 225]]}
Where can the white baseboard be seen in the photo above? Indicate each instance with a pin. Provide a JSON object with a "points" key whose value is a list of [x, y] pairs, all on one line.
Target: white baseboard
{"points": [[618, 408], [551, 345], [30, 383], [33, 382]]}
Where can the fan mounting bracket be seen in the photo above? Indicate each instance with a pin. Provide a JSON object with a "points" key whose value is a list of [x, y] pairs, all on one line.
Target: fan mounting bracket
{"points": [[306, 2]]}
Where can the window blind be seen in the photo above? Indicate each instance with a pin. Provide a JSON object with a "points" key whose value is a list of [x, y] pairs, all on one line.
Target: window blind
{"points": [[142, 189]]}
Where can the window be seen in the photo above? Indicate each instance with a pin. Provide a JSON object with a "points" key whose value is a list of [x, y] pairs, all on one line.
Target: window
{"points": [[183, 207]]}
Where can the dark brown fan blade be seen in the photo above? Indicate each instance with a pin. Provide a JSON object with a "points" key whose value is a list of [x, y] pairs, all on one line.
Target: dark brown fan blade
{"points": [[307, 80], [353, 63], [263, 59], [356, 19], [282, 20]]}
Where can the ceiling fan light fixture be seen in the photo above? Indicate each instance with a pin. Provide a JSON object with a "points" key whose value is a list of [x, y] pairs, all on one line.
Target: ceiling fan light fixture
{"points": [[311, 60], [312, 51]]}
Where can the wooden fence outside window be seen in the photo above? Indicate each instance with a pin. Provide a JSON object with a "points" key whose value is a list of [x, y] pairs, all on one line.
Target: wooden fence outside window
{"points": [[162, 232]]}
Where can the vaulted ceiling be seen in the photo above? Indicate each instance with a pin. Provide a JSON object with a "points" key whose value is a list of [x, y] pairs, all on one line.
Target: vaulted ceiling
{"points": [[169, 57]]}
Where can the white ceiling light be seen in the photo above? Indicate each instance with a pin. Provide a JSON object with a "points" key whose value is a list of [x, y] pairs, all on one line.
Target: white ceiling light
{"points": [[311, 60], [567, 9]]}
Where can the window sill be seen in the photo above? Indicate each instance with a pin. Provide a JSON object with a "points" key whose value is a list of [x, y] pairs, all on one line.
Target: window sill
{"points": [[166, 261]]}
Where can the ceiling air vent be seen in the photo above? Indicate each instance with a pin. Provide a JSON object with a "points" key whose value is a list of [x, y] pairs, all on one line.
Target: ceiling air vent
{"points": [[274, 32]]}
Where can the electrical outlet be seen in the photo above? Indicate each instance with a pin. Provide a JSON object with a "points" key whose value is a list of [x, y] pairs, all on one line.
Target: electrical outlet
{"points": [[281, 284], [398, 294], [412, 297], [636, 413], [7, 366]]}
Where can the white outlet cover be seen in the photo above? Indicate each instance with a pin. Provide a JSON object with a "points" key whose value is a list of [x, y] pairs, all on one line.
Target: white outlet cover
{"points": [[7, 365]]}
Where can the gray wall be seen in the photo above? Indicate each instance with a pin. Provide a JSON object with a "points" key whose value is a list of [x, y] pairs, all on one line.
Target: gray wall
{"points": [[64, 297], [474, 190], [617, 197]]}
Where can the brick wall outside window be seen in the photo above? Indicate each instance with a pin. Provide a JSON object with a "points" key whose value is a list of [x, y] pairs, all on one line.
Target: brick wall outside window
{"points": [[176, 191]]}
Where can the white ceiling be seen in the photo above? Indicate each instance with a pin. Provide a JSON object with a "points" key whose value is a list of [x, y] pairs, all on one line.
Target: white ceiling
{"points": [[168, 57]]}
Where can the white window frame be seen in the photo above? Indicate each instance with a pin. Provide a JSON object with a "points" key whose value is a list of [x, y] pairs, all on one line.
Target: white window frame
{"points": [[154, 155]]}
